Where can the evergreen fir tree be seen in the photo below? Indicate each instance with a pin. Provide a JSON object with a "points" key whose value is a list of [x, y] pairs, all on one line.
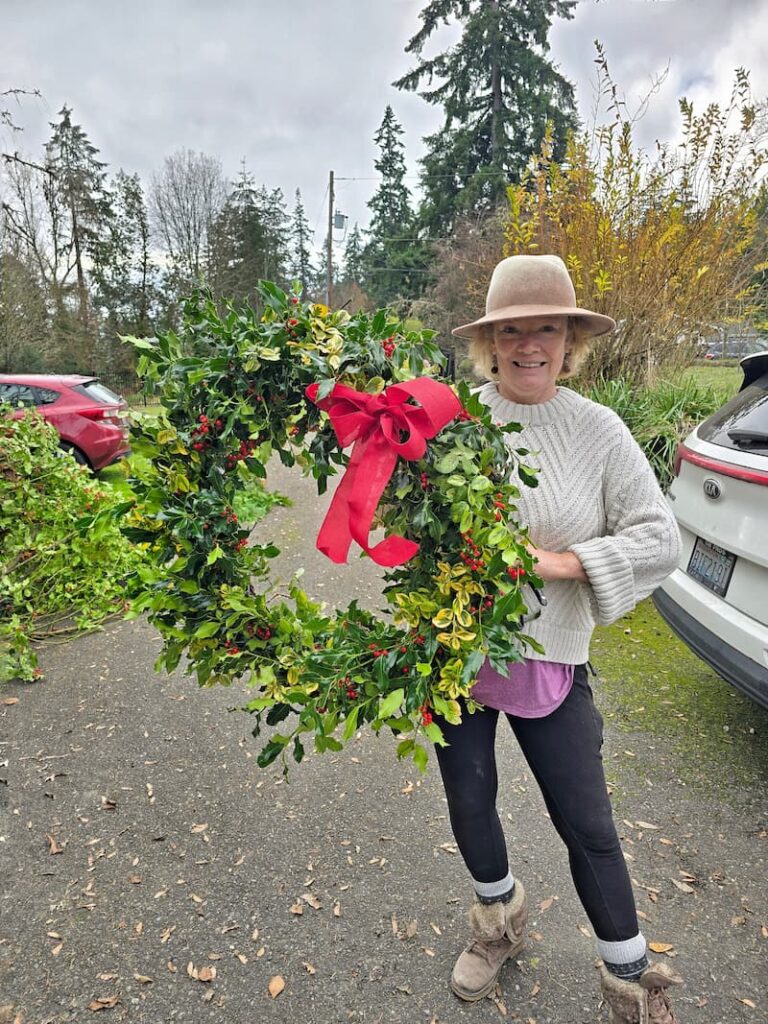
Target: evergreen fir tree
{"points": [[124, 276], [498, 90], [388, 256], [76, 188], [248, 241], [354, 268], [301, 268]]}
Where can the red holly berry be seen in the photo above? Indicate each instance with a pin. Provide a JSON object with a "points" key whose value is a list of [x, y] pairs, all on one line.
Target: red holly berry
{"points": [[292, 323]]}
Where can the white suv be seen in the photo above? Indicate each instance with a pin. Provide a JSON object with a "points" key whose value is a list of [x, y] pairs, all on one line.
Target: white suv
{"points": [[717, 599]]}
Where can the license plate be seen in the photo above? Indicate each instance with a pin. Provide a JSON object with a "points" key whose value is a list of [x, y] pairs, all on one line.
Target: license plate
{"points": [[711, 566]]}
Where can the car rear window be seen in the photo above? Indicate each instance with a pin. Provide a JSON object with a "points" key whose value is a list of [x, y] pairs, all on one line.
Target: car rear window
{"points": [[46, 396], [18, 394], [99, 392], [742, 423]]}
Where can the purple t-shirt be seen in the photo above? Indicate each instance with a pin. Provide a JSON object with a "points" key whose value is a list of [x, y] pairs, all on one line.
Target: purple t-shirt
{"points": [[532, 689]]}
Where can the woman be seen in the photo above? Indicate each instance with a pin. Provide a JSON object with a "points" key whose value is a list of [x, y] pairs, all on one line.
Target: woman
{"points": [[604, 539]]}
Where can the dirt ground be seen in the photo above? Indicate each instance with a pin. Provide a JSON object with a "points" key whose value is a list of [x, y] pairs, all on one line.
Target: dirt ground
{"points": [[152, 872]]}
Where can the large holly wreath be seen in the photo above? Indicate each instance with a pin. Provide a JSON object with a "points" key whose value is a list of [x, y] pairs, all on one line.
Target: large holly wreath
{"points": [[302, 383]]}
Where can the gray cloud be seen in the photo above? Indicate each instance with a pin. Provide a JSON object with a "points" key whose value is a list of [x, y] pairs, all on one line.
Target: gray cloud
{"points": [[297, 88]]}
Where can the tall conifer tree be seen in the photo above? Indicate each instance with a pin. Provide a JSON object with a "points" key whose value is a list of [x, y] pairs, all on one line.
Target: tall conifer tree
{"points": [[387, 257], [301, 268], [498, 90]]}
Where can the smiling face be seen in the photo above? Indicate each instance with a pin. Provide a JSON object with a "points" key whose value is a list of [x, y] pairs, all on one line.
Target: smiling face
{"points": [[530, 354]]}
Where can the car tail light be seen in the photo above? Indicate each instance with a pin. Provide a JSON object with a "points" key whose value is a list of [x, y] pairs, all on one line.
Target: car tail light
{"points": [[751, 476], [678, 460], [100, 412]]}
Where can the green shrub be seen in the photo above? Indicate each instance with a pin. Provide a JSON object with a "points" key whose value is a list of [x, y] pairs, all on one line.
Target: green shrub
{"points": [[659, 416], [63, 560]]}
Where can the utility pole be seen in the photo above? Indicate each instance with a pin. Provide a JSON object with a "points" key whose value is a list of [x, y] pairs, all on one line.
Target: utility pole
{"points": [[329, 252]]}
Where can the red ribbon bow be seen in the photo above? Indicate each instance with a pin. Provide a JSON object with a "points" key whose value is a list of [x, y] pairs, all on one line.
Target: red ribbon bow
{"points": [[383, 427]]}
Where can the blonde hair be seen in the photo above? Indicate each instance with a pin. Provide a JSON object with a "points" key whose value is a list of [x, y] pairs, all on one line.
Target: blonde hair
{"points": [[578, 341]]}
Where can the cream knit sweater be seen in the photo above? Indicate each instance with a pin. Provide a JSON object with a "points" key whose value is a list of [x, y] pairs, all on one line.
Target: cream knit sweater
{"points": [[598, 497]]}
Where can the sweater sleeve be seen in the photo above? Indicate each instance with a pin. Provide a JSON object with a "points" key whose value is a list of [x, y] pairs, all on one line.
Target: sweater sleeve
{"points": [[641, 545]]}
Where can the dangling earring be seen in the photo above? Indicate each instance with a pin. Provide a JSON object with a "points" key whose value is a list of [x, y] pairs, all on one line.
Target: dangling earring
{"points": [[494, 363]]}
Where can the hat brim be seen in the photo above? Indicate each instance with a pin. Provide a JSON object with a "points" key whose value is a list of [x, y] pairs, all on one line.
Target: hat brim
{"points": [[595, 323]]}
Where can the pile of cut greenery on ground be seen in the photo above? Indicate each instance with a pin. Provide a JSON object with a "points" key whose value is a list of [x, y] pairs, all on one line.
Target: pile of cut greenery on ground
{"points": [[62, 566]]}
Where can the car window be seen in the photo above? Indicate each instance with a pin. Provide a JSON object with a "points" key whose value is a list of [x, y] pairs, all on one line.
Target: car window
{"points": [[98, 392], [45, 396], [17, 394], [742, 423]]}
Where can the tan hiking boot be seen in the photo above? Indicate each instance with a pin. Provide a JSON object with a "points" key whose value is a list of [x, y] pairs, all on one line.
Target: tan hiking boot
{"points": [[644, 1001], [498, 932]]}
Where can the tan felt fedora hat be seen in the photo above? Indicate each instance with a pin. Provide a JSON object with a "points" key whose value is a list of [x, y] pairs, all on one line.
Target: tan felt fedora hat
{"points": [[524, 286]]}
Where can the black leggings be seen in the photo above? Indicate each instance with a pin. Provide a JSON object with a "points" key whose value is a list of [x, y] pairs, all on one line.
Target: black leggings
{"points": [[563, 753]]}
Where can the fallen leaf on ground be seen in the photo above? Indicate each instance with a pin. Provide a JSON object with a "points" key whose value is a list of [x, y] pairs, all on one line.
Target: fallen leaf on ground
{"points": [[134, 879], [536, 936], [336, 910], [749, 1003], [764, 932], [547, 903], [11, 700], [53, 846], [585, 931], [310, 969], [242, 958], [738, 922], [660, 947], [255, 934], [143, 979], [206, 973], [199, 828], [167, 933], [682, 886], [139, 928], [104, 1003], [107, 977], [276, 985], [312, 900], [297, 908], [208, 995], [57, 949], [535, 990], [648, 825], [434, 928]]}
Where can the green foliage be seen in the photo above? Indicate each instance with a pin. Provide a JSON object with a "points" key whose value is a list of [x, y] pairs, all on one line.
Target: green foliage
{"points": [[498, 89], [659, 416], [301, 268], [233, 392], [392, 262], [670, 244], [248, 240], [63, 560]]}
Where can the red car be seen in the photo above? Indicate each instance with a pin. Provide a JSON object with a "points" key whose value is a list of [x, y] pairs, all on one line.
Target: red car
{"points": [[89, 417]]}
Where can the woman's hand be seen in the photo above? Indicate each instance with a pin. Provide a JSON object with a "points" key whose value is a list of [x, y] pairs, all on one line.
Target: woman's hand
{"points": [[557, 565]]}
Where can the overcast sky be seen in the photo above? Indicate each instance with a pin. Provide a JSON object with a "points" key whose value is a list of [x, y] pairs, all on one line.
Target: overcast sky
{"points": [[297, 88]]}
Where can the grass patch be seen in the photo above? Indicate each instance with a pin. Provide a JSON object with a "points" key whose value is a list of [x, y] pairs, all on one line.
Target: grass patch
{"points": [[650, 682], [723, 378]]}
